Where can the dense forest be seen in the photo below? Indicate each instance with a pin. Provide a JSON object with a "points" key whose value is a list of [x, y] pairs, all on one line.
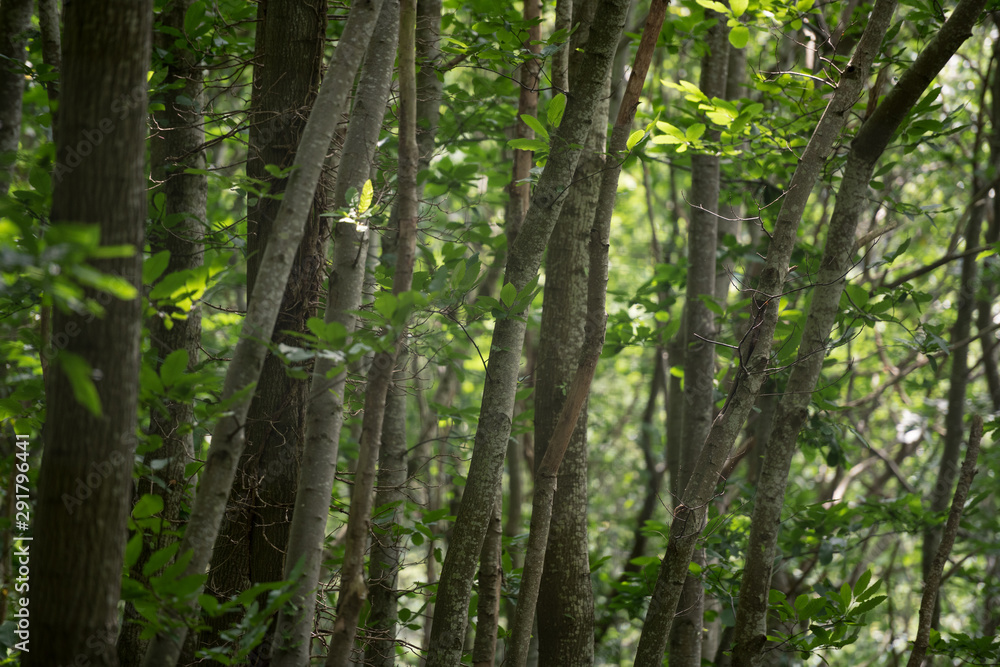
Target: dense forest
{"points": [[462, 332]]}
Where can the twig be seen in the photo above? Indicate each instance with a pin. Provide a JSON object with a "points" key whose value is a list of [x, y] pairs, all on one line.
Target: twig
{"points": [[932, 582]]}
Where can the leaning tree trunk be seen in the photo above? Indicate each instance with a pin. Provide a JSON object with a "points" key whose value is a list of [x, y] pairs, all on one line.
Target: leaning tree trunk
{"points": [[248, 358], [86, 471], [699, 325], [353, 590], [691, 510], [325, 416], [496, 413], [250, 549], [867, 147], [565, 613]]}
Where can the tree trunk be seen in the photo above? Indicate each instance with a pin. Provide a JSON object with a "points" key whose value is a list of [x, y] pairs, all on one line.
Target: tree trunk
{"points": [[176, 148], [15, 20], [502, 370], [248, 358], [690, 512], [325, 416], [699, 324], [792, 411], [565, 597], [250, 549], [490, 579], [386, 551], [353, 589], [86, 471]]}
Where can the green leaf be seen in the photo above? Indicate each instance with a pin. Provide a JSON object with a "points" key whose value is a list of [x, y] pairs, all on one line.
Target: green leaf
{"points": [[508, 294], [173, 367], [634, 138], [528, 144], [555, 111], [147, 506], [154, 266], [78, 372], [133, 550], [535, 125], [714, 6], [868, 605], [862, 583], [694, 132], [739, 7], [804, 5], [160, 558], [739, 36], [366, 197]]}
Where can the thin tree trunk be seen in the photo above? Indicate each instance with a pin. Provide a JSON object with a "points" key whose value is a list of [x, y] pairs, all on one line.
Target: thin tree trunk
{"points": [[527, 104], [932, 576], [177, 148], [792, 411], [15, 20], [86, 471], [504, 360], [228, 437], [579, 387], [699, 325], [353, 590], [325, 415], [490, 578], [691, 509], [565, 598], [386, 551]]}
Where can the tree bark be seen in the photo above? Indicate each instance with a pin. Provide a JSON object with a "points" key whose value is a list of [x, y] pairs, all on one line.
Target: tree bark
{"points": [[699, 325], [325, 416], [691, 510], [177, 147], [505, 352], [490, 579], [244, 370], [250, 548], [15, 20], [932, 577], [353, 590], [792, 411], [565, 597], [386, 551], [86, 471]]}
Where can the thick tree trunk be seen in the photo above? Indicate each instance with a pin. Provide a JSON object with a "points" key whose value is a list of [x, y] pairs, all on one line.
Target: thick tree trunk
{"points": [[228, 437], [508, 337], [792, 411], [699, 325], [325, 416], [175, 148], [15, 19], [250, 549], [353, 589], [690, 512], [86, 471]]}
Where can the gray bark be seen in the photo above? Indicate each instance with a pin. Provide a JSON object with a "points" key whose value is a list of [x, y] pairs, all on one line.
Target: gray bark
{"points": [[325, 416], [353, 589], [699, 324], [387, 551], [244, 370], [508, 336], [691, 509], [792, 411]]}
